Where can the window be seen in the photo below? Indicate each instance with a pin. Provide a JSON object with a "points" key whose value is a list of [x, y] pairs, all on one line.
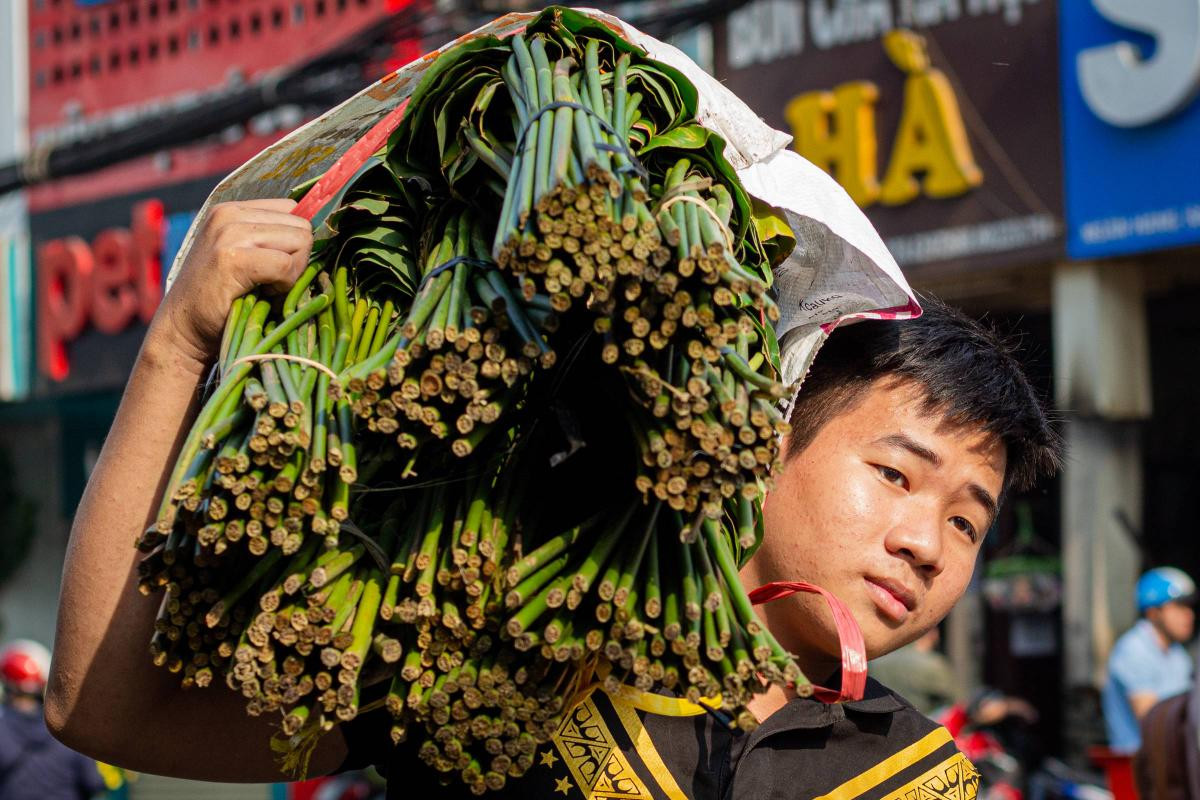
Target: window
{"points": [[114, 60], [297, 13], [255, 22], [152, 50], [235, 28], [214, 35], [277, 17], [319, 8], [172, 44]]}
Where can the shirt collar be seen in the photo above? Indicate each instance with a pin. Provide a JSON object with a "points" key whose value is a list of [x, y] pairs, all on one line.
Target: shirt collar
{"points": [[877, 699], [807, 713]]}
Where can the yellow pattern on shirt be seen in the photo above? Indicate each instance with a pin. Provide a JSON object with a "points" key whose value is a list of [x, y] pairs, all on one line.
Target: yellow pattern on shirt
{"points": [[954, 779], [597, 764]]}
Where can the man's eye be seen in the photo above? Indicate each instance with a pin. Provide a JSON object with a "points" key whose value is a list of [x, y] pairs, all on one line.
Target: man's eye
{"points": [[892, 476], [965, 526]]}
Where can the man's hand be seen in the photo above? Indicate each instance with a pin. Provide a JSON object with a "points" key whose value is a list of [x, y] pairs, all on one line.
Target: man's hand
{"points": [[239, 246]]}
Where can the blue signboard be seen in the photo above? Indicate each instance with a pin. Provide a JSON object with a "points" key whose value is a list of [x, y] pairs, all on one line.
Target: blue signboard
{"points": [[1131, 124]]}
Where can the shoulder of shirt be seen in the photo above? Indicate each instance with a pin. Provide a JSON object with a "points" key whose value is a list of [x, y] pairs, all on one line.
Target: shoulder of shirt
{"points": [[922, 761], [1135, 642]]}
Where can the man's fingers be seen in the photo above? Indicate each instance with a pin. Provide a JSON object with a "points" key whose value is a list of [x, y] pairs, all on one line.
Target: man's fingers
{"points": [[271, 267], [299, 263], [287, 238], [276, 213]]}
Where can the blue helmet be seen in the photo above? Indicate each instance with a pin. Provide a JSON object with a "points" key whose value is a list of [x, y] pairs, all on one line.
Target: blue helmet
{"points": [[1162, 585]]}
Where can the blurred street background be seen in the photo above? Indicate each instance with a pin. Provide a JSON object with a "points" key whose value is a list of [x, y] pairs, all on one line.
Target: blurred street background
{"points": [[1031, 161]]}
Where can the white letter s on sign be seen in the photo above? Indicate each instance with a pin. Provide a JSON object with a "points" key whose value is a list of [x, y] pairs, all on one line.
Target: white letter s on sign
{"points": [[1125, 90]]}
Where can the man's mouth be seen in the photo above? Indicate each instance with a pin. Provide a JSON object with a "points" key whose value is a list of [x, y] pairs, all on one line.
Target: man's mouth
{"points": [[893, 598]]}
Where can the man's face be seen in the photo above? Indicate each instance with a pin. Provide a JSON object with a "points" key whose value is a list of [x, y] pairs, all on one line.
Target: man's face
{"points": [[1177, 621], [886, 508]]}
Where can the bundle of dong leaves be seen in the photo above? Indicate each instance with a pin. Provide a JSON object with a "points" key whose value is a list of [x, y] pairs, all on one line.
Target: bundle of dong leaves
{"points": [[508, 435]]}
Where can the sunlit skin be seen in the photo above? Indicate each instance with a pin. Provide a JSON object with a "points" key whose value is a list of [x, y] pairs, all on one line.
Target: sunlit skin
{"points": [[887, 508]]}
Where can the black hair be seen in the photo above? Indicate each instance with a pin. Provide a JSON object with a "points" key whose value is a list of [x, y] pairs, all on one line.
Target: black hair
{"points": [[969, 373]]}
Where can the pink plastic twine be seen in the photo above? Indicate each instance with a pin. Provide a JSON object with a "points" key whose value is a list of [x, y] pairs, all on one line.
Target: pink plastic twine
{"points": [[854, 649]]}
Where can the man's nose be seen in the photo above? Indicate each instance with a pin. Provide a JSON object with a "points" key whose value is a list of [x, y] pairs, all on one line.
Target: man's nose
{"points": [[917, 538]]}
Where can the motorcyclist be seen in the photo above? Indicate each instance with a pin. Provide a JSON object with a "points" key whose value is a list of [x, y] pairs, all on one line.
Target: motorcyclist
{"points": [[33, 764], [1149, 662]]}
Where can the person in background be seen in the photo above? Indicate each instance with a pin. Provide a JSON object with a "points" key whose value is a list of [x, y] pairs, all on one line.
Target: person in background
{"points": [[919, 673], [1149, 662], [33, 764]]}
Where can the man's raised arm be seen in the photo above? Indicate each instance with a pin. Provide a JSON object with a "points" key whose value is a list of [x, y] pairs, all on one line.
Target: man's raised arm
{"points": [[105, 698]]}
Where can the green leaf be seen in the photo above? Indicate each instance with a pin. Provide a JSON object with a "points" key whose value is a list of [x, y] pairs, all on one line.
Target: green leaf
{"points": [[461, 166], [297, 193], [773, 230], [684, 137], [375, 206], [484, 99], [318, 220], [382, 235]]}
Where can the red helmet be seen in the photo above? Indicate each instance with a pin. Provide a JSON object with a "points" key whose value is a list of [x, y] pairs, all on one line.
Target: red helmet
{"points": [[24, 667]]}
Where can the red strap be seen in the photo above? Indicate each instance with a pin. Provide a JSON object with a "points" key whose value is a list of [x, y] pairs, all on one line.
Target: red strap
{"points": [[854, 650], [345, 167]]}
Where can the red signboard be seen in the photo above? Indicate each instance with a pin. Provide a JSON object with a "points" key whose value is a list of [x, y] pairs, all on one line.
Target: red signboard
{"points": [[111, 283]]}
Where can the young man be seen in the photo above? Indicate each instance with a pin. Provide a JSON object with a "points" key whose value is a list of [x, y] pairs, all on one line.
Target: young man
{"points": [[906, 437], [1149, 663]]}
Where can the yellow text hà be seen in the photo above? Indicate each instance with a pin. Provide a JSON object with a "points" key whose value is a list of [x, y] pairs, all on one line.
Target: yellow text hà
{"points": [[930, 153]]}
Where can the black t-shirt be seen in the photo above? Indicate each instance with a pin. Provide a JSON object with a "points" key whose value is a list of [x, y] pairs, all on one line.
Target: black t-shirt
{"points": [[635, 746]]}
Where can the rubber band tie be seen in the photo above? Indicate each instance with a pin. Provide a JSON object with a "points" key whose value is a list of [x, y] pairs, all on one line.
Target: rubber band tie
{"points": [[308, 362], [634, 164], [687, 198]]}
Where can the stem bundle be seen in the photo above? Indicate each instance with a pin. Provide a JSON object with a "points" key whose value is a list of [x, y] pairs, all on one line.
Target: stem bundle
{"points": [[364, 495]]}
